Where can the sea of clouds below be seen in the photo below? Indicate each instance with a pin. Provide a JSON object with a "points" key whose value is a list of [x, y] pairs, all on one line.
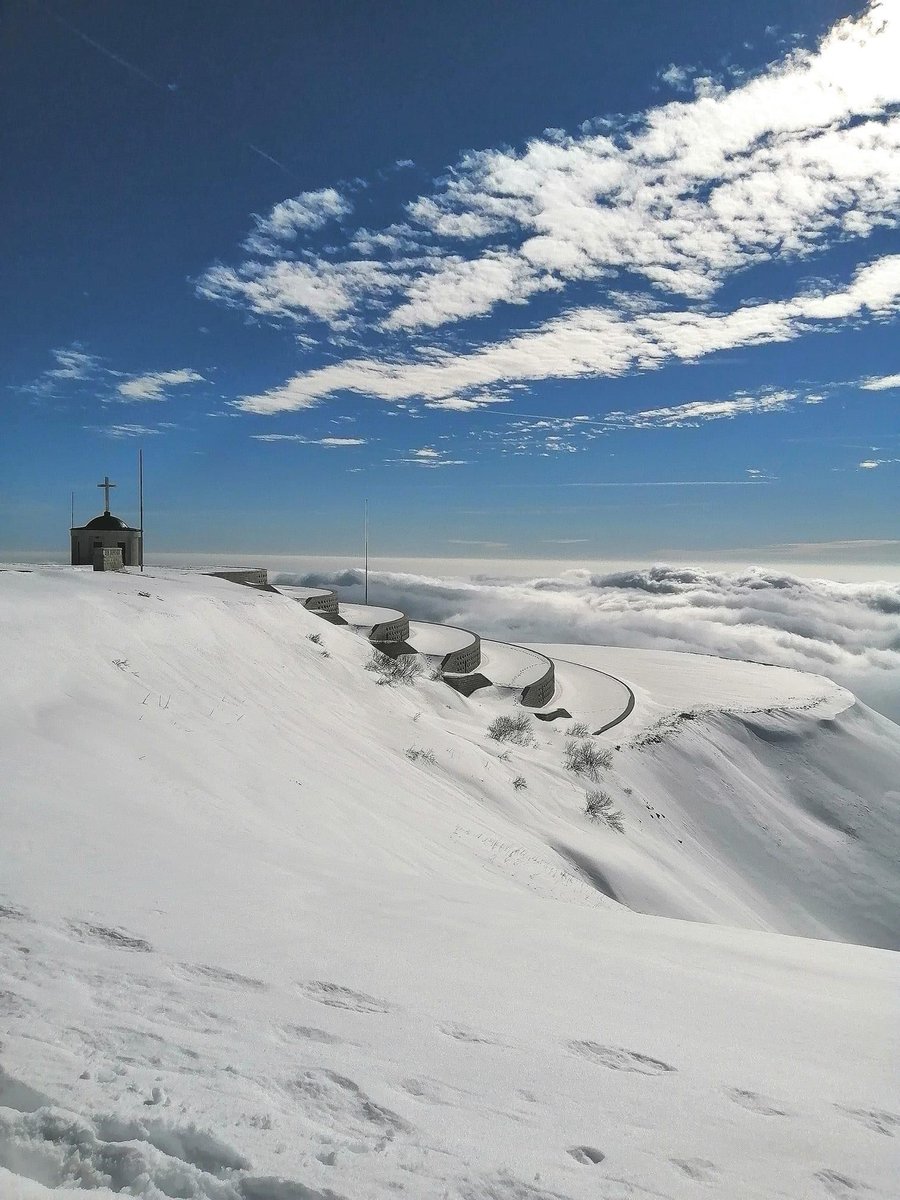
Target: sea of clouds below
{"points": [[849, 632]]}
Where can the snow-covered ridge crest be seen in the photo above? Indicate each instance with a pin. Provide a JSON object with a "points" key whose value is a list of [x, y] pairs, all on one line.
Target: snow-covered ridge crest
{"points": [[250, 944]]}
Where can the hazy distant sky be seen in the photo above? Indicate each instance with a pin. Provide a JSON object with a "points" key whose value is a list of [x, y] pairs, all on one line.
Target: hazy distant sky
{"points": [[547, 279]]}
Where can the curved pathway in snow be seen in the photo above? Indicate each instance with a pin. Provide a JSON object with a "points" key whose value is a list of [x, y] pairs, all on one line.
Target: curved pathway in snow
{"points": [[508, 666], [591, 695], [667, 682]]}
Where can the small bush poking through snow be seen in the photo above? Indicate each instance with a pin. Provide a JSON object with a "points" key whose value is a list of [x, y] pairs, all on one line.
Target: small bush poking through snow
{"points": [[520, 782], [416, 755], [511, 729], [578, 729], [316, 638], [599, 807], [586, 758], [394, 670]]}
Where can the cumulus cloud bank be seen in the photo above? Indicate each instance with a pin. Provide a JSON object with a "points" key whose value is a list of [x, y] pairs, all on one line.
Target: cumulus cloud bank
{"points": [[848, 632]]}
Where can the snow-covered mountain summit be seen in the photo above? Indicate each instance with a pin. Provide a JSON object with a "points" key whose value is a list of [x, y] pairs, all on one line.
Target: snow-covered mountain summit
{"points": [[271, 931]]}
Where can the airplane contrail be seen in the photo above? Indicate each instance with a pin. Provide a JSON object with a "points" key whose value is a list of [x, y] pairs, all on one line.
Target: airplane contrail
{"points": [[167, 88], [101, 49]]}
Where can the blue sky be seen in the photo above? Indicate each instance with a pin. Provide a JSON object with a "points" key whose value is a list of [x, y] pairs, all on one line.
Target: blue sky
{"points": [[540, 279]]}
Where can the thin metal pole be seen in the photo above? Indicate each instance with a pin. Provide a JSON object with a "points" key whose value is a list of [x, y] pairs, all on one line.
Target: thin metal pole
{"points": [[141, 490], [366, 524], [73, 511]]}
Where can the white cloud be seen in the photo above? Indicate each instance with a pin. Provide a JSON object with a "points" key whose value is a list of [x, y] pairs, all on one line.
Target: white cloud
{"points": [[872, 464], [880, 383], [676, 77], [74, 363], [76, 368], [469, 403], [591, 342], [463, 288], [299, 214], [125, 431], [299, 290], [298, 437], [428, 456], [73, 366], [698, 412], [155, 385]]}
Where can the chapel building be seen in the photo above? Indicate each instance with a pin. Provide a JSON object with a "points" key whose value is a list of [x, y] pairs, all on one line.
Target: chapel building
{"points": [[105, 532]]}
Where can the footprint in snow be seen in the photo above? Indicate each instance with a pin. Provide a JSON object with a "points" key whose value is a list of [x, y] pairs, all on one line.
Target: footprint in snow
{"points": [[879, 1120], [755, 1103], [309, 1033], [333, 1100], [220, 975], [700, 1169], [618, 1059], [462, 1033], [841, 1187], [588, 1156], [335, 996], [116, 938], [504, 1186], [431, 1091], [13, 1005]]}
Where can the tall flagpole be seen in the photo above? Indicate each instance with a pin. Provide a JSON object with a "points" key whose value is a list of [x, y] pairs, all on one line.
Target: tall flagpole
{"points": [[366, 534], [141, 490]]}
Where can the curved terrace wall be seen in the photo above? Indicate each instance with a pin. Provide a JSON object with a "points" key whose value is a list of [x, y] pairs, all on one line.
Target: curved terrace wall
{"points": [[380, 624], [317, 600], [536, 695], [466, 659], [450, 647]]}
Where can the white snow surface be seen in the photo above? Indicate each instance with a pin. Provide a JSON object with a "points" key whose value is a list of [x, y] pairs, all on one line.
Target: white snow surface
{"points": [[427, 638], [254, 947]]}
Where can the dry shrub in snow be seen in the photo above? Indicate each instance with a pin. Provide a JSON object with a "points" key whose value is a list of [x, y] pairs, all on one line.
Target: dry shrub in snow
{"points": [[404, 669], [414, 754], [511, 729], [599, 807], [520, 782], [578, 729], [586, 758]]}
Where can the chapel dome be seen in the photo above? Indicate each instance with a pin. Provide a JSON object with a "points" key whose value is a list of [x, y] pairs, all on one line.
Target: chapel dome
{"points": [[106, 521]]}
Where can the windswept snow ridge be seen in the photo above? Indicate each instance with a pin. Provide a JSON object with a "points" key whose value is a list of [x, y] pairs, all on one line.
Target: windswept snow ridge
{"points": [[269, 931]]}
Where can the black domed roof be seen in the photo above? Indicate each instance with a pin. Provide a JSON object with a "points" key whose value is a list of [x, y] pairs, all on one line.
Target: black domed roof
{"points": [[106, 521]]}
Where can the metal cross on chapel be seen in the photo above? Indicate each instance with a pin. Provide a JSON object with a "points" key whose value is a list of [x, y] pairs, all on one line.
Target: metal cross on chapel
{"points": [[106, 485]]}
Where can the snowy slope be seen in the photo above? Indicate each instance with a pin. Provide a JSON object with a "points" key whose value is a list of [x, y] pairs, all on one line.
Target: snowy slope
{"points": [[251, 950]]}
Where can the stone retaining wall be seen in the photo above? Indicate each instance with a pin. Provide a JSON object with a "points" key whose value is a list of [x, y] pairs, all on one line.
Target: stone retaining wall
{"points": [[250, 576], [537, 694], [466, 659], [322, 604], [390, 631]]}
